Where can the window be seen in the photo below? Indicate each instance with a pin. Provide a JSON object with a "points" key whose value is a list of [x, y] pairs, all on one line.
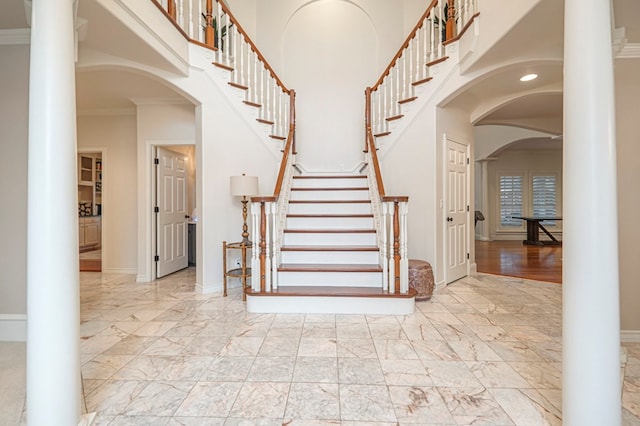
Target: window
{"points": [[510, 200], [544, 197]]}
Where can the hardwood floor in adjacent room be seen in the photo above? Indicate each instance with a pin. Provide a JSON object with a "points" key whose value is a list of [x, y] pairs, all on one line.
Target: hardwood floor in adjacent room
{"points": [[512, 258]]}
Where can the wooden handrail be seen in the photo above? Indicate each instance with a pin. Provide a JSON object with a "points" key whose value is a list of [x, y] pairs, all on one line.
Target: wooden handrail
{"points": [[370, 143], [253, 46], [289, 147], [411, 35]]}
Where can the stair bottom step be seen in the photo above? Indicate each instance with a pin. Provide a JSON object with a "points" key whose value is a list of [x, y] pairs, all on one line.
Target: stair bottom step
{"points": [[331, 300], [331, 291]]}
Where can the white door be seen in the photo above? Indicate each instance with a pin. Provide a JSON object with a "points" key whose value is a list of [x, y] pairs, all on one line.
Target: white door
{"points": [[171, 212], [457, 211]]}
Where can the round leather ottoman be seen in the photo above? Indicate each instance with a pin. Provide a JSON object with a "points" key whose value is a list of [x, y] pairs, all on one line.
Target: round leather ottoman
{"points": [[421, 278]]}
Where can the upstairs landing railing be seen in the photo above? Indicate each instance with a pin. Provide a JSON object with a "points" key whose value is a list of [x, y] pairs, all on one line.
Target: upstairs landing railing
{"points": [[211, 24], [443, 22]]}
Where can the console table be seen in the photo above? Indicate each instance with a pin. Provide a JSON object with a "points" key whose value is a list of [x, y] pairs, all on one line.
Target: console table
{"points": [[533, 231], [242, 272]]}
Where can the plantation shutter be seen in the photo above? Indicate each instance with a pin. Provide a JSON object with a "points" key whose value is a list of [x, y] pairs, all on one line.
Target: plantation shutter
{"points": [[544, 197], [510, 200]]}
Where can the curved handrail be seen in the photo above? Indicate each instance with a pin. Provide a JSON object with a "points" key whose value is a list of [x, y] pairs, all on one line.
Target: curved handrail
{"points": [[290, 146], [410, 37], [253, 46], [370, 143]]}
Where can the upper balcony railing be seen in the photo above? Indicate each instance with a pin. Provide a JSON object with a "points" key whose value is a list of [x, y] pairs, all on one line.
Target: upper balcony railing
{"points": [[211, 24]]}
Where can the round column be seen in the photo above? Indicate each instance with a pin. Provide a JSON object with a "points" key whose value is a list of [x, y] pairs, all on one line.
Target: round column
{"points": [[53, 361], [591, 325]]}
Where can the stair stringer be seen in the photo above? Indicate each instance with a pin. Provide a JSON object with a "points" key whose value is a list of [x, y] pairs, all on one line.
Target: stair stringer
{"points": [[202, 59], [425, 93]]}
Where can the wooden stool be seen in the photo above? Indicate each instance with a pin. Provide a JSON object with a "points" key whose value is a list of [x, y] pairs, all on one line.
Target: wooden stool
{"points": [[421, 278]]}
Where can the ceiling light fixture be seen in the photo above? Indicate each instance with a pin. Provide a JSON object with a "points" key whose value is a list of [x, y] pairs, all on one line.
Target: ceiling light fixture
{"points": [[528, 77]]}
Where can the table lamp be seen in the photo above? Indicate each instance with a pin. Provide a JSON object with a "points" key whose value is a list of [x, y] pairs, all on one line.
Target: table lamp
{"points": [[245, 187]]}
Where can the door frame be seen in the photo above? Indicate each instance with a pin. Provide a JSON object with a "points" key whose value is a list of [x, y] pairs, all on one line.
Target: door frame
{"points": [[445, 243], [104, 224], [146, 199]]}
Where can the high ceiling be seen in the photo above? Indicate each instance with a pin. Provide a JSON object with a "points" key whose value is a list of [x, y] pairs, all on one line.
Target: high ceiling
{"points": [[499, 98]]}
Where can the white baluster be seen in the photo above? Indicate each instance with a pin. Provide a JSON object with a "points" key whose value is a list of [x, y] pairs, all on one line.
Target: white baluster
{"points": [[255, 252], [180, 19], [404, 260], [273, 254], [384, 246], [262, 97], [196, 19], [269, 242], [392, 237]]}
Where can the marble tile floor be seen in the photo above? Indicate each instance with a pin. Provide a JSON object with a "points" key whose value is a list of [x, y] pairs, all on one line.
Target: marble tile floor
{"points": [[484, 350]]}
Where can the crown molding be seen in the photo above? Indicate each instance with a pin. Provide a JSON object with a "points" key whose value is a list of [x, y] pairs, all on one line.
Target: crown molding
{"points": [[102, 112], [160, 101], [629, 51], [15, 36]]}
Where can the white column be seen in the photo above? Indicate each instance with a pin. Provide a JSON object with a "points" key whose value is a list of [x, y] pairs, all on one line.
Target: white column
{"points": [[485, 225], [53, 334], [591, 325]]}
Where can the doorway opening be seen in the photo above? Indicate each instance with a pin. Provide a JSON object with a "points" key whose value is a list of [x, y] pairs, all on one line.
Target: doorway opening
{"points": [[174, 201], [90, 208]]}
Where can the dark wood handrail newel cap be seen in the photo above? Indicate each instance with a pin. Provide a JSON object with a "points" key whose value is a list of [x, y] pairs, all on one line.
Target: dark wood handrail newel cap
{"points": [[264, 199], [395, 198]]}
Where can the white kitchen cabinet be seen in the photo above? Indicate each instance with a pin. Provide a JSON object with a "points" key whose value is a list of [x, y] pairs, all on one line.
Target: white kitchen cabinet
{"points": [[89, 232]]}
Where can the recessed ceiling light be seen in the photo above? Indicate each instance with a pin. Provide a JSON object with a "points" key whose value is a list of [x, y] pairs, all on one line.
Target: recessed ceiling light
{"points": [[528, 77]]}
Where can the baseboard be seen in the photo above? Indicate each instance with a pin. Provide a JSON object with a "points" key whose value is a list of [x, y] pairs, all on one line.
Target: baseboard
{"points": [[13, 328], [128, 271], [440, 285], [630, 336], [473, 268]]}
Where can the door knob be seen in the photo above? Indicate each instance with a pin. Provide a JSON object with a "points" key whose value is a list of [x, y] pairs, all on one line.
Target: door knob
{"points": [[449, 219]]}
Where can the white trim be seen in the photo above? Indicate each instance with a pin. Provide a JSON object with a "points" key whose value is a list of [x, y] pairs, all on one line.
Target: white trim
{"points": [[630, 336], [629, 51], [15, 36], [127, 271], [99, 112], [13, 328]]}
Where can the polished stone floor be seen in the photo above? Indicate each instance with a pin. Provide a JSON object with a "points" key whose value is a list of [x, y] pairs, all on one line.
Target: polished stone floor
{"points": [[484, 350]]}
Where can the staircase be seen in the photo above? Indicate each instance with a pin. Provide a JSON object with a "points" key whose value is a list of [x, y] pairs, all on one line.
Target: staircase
{"points": [[330, 259]]}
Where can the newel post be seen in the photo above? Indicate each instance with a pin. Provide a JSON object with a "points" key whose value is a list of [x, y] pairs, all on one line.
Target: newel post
{"points": [[171, 9], [262, 210], [208, 29], [399, 263], [451, 20]]}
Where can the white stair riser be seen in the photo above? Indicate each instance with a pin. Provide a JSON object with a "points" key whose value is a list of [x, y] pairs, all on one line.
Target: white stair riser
{"points": [[329, 223], [336, 279], [330, 195], [331, 257], [330, 305], [329, 208], [329, 183], [329, 239]]}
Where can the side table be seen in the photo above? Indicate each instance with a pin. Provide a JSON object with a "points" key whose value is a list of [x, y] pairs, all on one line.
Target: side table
{"points": [[243, 272]]}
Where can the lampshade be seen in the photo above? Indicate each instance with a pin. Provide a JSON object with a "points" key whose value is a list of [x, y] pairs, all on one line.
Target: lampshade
{"points": [[243, 186]]}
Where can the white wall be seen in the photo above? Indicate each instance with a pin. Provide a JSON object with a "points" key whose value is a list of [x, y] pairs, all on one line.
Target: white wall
{"points": [[14, 113], [627, 80], [117, 135], [329, 52], [157, 124]]}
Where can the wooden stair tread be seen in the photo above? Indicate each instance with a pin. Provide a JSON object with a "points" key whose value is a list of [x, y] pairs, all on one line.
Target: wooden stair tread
{"points": [[238, 85], [405, 101], [263, 121], [395, 117], [280, 138], [331, 291], [437, 61], [379, 135], [223, 66], [328, 267], [331, 231], [344, 215], [330, 177], [355, 188], [424, 80], [328, 201], [252, 104], [329, 248]]}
